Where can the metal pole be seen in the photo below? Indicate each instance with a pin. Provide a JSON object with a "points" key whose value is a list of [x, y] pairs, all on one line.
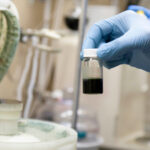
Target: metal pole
{"points": [[78, 69]]}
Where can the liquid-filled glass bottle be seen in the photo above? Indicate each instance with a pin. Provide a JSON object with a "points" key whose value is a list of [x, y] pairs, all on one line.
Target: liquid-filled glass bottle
{"points": [[92, 72]]}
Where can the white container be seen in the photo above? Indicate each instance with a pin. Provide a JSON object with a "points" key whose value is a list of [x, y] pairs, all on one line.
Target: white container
{"points": [[40, 135], [10, 113], [31, 134]]}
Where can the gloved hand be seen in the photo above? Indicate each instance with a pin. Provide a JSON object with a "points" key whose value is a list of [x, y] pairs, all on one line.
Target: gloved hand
{"points": [[137, 8], [122, 39]]}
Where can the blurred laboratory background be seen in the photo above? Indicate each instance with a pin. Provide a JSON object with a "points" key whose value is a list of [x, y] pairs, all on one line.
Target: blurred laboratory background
{"points": [[44, 72]]}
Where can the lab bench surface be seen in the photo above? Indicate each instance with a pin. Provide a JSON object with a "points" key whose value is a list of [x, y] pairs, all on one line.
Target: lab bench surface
{"points": [[124, 146], [136, 141]]}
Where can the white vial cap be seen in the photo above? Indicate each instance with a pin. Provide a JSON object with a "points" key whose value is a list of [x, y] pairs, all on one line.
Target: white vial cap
{"points": [[90, 53]]}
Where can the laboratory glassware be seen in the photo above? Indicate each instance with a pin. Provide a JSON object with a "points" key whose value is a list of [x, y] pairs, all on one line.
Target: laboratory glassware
{"points": [[92, 72], [72, 18]]}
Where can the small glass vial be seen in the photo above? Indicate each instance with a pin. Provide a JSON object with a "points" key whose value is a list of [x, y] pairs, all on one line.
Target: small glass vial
{"points": [[92, 72]]}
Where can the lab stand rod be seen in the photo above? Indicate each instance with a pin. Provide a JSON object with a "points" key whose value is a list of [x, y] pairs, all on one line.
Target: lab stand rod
{"points": [[78, 68]]}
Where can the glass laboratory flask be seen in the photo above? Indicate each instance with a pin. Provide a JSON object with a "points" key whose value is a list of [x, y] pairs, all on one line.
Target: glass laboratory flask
{"points": [[72, 17], [87, 127], [92, 72], [32, 134]]}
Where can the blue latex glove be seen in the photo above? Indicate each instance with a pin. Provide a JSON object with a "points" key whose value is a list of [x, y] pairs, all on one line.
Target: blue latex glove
{"points": [[137, 8], [122, 39]]}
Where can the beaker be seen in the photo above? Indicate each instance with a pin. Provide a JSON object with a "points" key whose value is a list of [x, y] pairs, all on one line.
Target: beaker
{"points": [[92, 72]]}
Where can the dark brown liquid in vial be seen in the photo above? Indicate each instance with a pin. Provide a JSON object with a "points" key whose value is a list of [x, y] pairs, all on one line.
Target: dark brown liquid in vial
{"points": [[93, 86]]}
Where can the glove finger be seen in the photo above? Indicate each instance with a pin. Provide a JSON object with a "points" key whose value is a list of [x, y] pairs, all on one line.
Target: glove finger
{"points": [[96, 34], [117, 48], [112, 64], [137, 8], [103, 30]]}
